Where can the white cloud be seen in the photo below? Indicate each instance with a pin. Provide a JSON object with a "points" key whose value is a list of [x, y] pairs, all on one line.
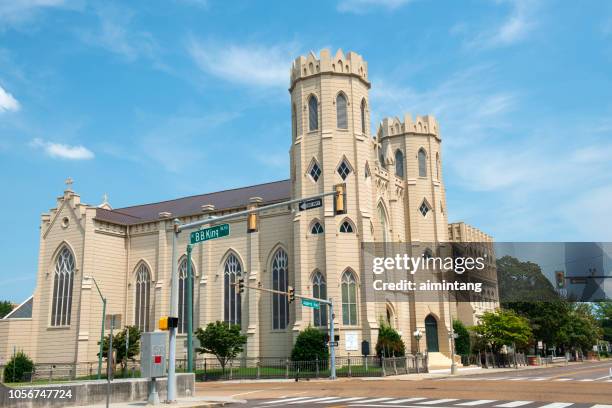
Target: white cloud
{"points": [[251, 65], [15, 12], [514, 28], [8, 102], [363, 6], [62, 151]]}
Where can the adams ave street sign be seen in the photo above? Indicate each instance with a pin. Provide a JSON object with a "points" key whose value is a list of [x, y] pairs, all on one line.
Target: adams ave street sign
{"points": [[205, 234], [311, 303], [309, 204]]}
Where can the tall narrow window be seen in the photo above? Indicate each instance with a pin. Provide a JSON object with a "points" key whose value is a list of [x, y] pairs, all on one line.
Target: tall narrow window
{"points": [[293, 122], [182, 275], [399, 163], [382, 216], [62, 288], [363, 116], [341, 113], [313, 113], [381, 160], [142, 298], [232, 270], [349, 298], [319, 291], [422, 163], [280, 303], [437, 166]]}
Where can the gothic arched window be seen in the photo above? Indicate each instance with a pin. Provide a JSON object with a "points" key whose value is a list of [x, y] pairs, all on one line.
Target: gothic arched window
{"points": [[349, 298], [422, 155], [438, 166], [316, 228], [384, 225], [232, 270], [182, 289], [341, 112], [319, 291], [293, 122], [399, 163], [346, 227], [280, 303], [313, 113], [142, 298], [62, 288], [363, 116]]}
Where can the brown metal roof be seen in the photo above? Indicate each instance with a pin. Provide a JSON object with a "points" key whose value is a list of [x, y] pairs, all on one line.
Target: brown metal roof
{"points": [[222, 200]]}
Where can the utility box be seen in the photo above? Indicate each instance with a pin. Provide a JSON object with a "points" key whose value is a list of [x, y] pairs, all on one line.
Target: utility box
{"points": [[153, 351]]}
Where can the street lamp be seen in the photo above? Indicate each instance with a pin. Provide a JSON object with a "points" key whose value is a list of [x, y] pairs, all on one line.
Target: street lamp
{"points": [[103, 318], [417, 335]]}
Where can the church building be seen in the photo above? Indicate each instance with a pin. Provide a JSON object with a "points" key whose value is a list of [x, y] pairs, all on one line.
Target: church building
{"points": [[395, 193]]}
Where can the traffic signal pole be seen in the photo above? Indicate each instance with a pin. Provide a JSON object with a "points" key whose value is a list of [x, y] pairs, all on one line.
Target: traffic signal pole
{"points": [[171, 397]]}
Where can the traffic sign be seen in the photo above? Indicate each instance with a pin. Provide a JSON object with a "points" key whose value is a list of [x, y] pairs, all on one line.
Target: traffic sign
{"points": [[333, 344], [310, 204], [205, 234], [311, 303]]}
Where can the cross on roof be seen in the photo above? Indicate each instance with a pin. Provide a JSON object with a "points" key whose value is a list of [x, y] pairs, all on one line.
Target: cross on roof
{"points": [[69, 182]]}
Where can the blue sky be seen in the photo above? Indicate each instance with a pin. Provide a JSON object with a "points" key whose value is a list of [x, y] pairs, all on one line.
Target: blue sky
{"points": [[150, 100]]}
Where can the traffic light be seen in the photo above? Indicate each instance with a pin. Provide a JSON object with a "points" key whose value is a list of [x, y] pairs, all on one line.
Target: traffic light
{"points": [[252, 222], [240, 285], [560, 276], [340, 199], [291, 292]]}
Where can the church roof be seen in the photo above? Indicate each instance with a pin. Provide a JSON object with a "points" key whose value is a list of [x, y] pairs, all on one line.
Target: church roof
{"points": [[222, 200], [23, 311]]}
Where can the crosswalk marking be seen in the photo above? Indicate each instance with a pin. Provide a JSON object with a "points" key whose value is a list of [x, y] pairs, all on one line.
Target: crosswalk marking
{"points": [[557, 405], [586, 379], [401, 401], [514, 404], [518, 378], [440, 401], [284, 400], [474, 403], [601, 406], [368, 401], [342, 400], [563, 379], [312, 400]]}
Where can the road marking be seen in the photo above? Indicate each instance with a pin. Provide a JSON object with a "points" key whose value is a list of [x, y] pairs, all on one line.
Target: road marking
{"points": [[540, 378], [514, 404], [368, 401], [496, 378], [601, 406], [284, 400], [245, 393], [477, 402], [440, 401], [557, 405], [586, 379], [519, 379], [602, 378], [563, 379], [341, 400], [405, 400], [308, 401]]}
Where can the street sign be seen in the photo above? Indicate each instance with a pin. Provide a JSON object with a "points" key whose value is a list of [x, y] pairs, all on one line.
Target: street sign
{"points": [[309, 204], [205, 234], [311, 303], [333, 344]]}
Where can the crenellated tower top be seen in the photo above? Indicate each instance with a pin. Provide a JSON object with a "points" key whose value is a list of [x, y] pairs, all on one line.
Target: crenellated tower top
{"points": [[420, 125], [351, 64]]}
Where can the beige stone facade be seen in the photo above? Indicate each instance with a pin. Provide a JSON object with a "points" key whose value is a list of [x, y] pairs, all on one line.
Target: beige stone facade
{"points": [[395, 192]]}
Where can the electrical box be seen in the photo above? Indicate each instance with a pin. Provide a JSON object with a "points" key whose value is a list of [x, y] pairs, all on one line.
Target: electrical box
{"points": [[153, 351]]}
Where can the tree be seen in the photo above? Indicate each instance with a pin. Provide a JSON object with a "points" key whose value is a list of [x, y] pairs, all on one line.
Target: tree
{"points": [[309, 346], [603, 313], [6, 307], [389, 343], [18, 366], [222, 340], [504, 327], [462, 342], [121, 356], [581, 331], [547, 319], [523, 282]]}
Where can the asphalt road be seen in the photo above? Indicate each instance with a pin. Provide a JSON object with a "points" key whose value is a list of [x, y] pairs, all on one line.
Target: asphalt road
{"points": [[557, 387]]}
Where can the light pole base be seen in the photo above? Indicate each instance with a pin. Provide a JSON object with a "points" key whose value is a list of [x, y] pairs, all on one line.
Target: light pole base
{"points": [[453, 368], [153, 395]]}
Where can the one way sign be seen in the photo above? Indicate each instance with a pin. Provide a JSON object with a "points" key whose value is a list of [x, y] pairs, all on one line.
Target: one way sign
{"points": [[309, 204]]}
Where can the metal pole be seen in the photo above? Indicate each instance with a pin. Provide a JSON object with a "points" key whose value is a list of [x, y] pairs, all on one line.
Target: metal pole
{"points": [[110, 361], [101, 337], [171, 397], [127, 347], [332, 338], [189, 303]]}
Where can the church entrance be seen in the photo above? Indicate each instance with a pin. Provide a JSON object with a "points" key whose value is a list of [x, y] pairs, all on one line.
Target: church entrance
{"points": [[431, 334]]}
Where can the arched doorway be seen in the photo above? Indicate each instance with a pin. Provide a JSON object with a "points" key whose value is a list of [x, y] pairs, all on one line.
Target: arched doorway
{"points": [[431, 334]]}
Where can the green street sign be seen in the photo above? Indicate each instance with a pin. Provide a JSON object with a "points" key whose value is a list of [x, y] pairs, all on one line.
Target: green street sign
{"points": [[311, 303], [205, 234]]}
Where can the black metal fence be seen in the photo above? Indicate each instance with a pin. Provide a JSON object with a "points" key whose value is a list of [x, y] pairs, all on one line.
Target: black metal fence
{"points": [[495, 360]]}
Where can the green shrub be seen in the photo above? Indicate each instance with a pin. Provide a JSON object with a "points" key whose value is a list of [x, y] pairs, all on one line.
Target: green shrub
{"points": [[389, 343], [309, 346], [18, 367], [462, 342]]}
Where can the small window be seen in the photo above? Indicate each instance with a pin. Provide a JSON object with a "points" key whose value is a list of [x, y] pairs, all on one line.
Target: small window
{"points": [[315, 171], [422, 156], [399, 163], [363, 116], [346, 228], [317, 228], [366, 172], [344, 170], [424, 208], [313, 113], [293, 122], [341, 113]]}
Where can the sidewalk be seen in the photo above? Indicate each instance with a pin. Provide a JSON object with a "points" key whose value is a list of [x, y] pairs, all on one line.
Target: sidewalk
{"points": [[185, 402]]}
